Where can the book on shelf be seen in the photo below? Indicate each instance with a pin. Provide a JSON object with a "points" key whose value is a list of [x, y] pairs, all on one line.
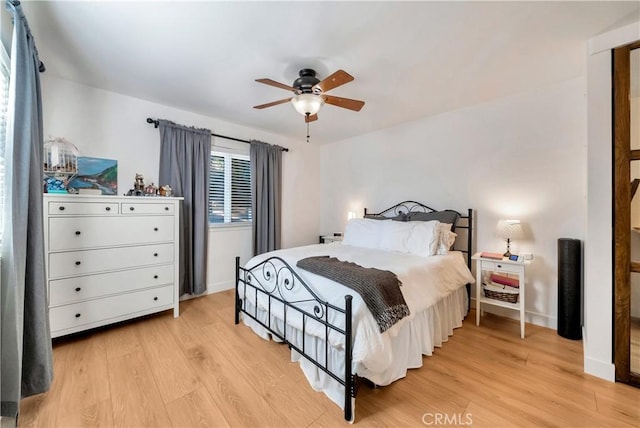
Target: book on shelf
{"points": [[494, 256], [505, 280]]}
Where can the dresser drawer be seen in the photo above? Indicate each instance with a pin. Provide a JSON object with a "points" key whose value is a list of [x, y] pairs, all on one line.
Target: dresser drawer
{"points": [[500, 267], [95, 311], [83, 208], [71, 233], [137, 208], [73, 263], [72, 290]]}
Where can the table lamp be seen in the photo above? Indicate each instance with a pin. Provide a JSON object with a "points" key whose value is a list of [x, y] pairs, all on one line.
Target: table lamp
{"points": [[510, 229]]}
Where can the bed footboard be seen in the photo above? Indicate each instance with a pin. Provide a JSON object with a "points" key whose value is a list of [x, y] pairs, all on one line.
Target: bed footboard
{"points": [[282, 295]]}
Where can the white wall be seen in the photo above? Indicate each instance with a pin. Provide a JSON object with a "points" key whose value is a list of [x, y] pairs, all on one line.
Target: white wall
{"points": [[634, 105], [518, 157], [111, 125], [635, 202]]}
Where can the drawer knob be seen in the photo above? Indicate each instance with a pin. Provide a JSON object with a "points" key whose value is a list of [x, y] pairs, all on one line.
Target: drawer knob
{"points": [[77, 315], [78, 263], [131, 208], [61, 208], [78, 232], [155, 276], [155, 254], [107, 208], [78, 288], [155, 299], [166, 208], [500, 266], [155, 229]]}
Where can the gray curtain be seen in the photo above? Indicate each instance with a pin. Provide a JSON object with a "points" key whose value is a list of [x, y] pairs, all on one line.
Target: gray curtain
{"points": [[185, 154], [26, 355], [266, 195]]}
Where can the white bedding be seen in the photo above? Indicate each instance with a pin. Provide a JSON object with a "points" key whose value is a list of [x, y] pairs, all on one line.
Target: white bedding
{"points": [[429, 284]]}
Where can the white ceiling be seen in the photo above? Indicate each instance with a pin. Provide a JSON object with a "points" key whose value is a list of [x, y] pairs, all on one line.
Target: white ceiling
{"points": [[409, 59]]}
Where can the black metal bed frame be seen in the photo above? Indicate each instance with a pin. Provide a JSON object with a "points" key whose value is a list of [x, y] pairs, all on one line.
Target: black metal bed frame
{"points": [[273, 278], [278, 278]]}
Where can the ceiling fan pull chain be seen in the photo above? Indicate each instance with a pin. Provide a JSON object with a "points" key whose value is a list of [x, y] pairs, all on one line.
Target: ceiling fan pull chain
{"points": [[307, 132]]}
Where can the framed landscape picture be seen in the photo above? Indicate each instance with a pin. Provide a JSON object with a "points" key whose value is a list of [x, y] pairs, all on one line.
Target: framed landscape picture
{"points": [[96, 173]]}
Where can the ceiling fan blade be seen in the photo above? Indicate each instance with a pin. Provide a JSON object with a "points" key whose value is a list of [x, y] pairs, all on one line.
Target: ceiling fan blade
{"points": [[276, 84], [338, 78], [347, 103], [271, 104], [310, 118]]}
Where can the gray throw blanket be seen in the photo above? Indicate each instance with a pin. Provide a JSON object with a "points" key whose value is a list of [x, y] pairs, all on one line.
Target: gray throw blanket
{"points": [[380, 289]]}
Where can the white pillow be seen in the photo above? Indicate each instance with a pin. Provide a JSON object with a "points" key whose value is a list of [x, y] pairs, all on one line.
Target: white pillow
{"points": [[425, 238], [395, 235], [363, 232]]}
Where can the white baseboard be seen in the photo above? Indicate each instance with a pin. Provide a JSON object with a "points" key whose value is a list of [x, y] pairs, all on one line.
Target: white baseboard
{"points": [[7, 422], [211, 288], [601, 369], [220, 286], [542, 320]]}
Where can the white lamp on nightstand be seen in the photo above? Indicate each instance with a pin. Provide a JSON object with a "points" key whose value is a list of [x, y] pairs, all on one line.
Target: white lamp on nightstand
{"points": [[510, 229]]}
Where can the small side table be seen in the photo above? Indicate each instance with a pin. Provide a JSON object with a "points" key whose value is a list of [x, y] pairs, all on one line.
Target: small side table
{"points": [[503, 266], [327, 239]]}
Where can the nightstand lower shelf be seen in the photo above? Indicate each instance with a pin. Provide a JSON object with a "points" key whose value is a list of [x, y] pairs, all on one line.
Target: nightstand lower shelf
{"points": [[500, 303]]}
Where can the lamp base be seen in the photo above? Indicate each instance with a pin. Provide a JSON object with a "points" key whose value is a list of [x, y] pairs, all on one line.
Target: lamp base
{"points": [[507, 254]]}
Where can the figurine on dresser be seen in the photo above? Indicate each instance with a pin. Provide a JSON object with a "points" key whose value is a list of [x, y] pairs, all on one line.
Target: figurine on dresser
{"points": [[138, 186]]}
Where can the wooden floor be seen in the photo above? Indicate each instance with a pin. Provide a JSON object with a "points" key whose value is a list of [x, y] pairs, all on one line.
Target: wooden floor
{"points": [[202, 370]]}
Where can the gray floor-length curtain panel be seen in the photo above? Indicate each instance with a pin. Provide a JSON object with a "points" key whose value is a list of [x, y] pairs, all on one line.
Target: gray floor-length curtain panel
{"points": [[185, 154], [26, 355], [266, 196]]}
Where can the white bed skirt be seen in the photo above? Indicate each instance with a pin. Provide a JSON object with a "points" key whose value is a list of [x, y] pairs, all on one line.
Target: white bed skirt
{"points": [[420, 336]]}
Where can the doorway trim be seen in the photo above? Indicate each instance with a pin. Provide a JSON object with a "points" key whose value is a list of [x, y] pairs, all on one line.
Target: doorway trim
{"points": [[598, 280]]}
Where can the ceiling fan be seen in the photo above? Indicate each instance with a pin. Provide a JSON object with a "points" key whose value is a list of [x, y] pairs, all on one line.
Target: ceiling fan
{"points": [[310, 93]]}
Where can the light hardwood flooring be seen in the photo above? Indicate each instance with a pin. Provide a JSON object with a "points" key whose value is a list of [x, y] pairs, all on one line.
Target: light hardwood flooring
{"points": [[202, 370]]}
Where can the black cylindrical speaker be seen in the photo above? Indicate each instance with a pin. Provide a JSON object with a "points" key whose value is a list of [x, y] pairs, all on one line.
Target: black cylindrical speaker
{"points": [[569, 288]]}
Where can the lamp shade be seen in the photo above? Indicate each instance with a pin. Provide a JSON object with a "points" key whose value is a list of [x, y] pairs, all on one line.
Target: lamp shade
{"points": [[307, 104], [510, 229]]}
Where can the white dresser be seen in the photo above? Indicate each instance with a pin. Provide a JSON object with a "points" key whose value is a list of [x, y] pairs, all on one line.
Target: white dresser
{"points": [[109, 259]]}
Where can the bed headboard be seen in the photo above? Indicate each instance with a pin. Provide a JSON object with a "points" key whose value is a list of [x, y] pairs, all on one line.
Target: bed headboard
{"points": [[410, 211]]}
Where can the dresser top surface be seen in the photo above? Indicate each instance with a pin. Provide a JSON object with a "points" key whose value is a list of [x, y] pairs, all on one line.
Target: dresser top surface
{"points": [[89, 198]]}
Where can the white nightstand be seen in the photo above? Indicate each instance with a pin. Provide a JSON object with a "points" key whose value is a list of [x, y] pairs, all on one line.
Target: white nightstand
{"points": [[327, 239], [508, 268]]}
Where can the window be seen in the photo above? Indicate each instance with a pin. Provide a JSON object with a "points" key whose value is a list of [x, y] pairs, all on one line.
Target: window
{"points": [[229, 188], [4, 105]]}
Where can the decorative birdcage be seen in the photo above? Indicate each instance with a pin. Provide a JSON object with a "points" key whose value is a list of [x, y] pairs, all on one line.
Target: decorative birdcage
{"points": [[60, 164]]}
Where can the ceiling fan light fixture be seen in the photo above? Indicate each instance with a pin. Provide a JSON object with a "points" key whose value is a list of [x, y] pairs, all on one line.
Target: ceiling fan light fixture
{"points": [[307, 104]]}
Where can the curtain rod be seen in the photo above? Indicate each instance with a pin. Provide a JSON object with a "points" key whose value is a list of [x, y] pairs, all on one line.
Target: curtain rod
{"points": [[41, 67], [156, 123]]}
